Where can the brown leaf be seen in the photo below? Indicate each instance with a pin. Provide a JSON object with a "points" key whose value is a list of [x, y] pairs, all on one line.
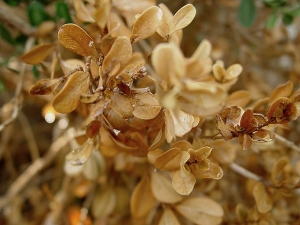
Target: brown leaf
{"points": [[223, 129], [74, 38], [183, 17], [146, 24], [163, 190], [38, 53], [142, 193], [120, 54], [201, 210], [102, 13], [168, 218], [122, 105], [277, 175], [284, 90], [44, 86], [282, 111], [169, 160], [248, 123], [245, 140], [92, 128], [262, 198], [66, 100], [146, 106]]}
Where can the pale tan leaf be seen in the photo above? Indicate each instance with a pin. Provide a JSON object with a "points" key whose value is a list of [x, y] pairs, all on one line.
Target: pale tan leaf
{"points": [[146, 107], [70, 64], [169, 160], [203, 51], [201, 210], [102, 13], [94, 167], [214, 171], [239, 98], [119, 53], [183, 17], [104, 202], [142, 194], [233, 71], [44, 86], [168, 62], [122, 105], [262, 198], [146, 24], [158, 141], [38, 53], [183, 185], [154, 154], [82, 13], [163, 190], [66, 100], [284, 90], [81, 154], [168, 218], [74, 38]]}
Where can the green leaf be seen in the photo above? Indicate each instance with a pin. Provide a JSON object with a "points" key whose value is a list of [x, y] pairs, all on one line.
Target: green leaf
{"points": [[271, 21], [62, 11], [36, 13], [247, 12], [13, 2], [35, 72], [2, 87], [5, 35], [275, 3], [287, 19]]}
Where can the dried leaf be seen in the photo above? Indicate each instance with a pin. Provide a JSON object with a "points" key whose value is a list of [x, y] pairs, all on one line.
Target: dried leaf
{"points": [[183, 17], [154, 154], [183, 185], [74, 38], [262, 198], [142, 193], [81, 154], [169, 160], [282, 111], [158, 141], [122, 105], [168, 218], [66, 100], [120, 53], [146, 24], [104, 202], [239, 98], [248, 123], [213, 172], [146, 106], [233, 72], [102, 13], [82, 13], [201, 210], [44, 86], [245, 140], [203, 51], [92, 128], [94, 167], [284, 90], [163, 190], [277, 175], [38, 53]]}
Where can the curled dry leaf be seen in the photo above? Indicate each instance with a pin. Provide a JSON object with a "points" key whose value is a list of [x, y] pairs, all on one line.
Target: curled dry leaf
{"points": [[183, 17], [38, 53], [44, 86], [92, 128], [74, 38], [282, 111], [146, 24], [142, 194], [262, 198], [163, 190], [168, 218], [67, 99], [201, 210]]}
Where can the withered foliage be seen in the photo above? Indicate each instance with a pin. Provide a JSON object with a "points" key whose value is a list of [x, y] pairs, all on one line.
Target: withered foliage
{"points": [[156, 134]]}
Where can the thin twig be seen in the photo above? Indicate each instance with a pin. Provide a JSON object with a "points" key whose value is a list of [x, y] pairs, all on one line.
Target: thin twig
{"points": [[287, 143], [19, 184], [244, 172], [17, 94]]}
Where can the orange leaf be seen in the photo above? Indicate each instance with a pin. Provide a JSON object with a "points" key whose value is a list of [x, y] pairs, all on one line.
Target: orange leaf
{"points": [[74, 38], [38, 53], [67, 98]]}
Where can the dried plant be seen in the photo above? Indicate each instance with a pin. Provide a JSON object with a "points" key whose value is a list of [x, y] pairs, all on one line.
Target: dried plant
{"points": [[155, 136]]}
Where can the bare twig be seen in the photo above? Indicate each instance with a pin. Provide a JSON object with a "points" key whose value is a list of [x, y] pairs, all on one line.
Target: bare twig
{"points": [[244, 172], [17, 94], [18, 185], [287, 143]]}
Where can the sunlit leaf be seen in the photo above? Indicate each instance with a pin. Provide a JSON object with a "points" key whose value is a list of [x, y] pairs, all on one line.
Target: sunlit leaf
{"points": [[183, 17], [74, 38], [201, 210], [38, 53], [141, 194], [146, 24], [67, 99]]}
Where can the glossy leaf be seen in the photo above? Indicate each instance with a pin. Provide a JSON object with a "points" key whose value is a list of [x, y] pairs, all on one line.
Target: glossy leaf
{"points": [[74, 38], [38, 53]]}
